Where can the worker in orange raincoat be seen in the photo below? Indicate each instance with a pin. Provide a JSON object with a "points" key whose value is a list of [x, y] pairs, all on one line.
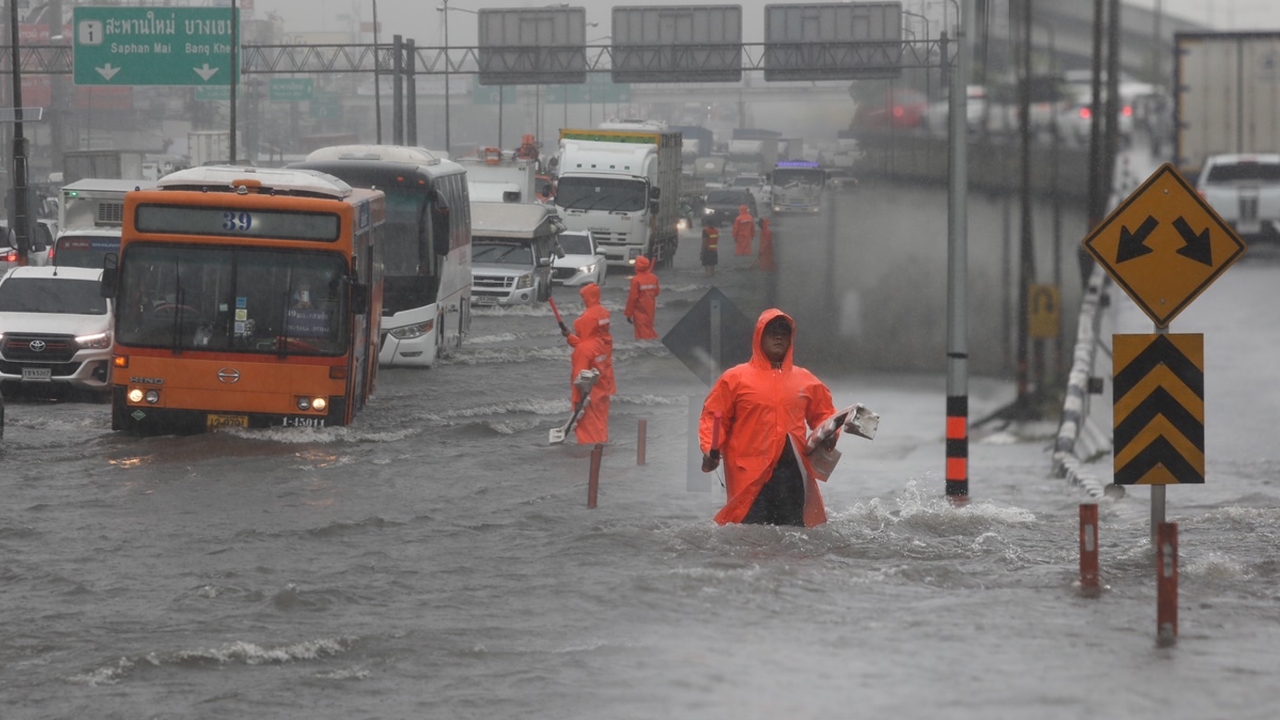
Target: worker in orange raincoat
{"points": [[592, 352], [642, 300], [594, 316], [764, 259], [767, 407], [744, 231]]}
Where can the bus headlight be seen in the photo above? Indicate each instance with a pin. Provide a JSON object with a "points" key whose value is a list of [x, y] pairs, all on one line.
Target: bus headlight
{"points": [[319, 404], [304, 404], [525, 281], [135, 395], [152, 397], [410, 332]]}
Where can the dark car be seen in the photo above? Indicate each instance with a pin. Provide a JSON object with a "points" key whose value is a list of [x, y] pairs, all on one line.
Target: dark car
{"points": [[722, 205]]}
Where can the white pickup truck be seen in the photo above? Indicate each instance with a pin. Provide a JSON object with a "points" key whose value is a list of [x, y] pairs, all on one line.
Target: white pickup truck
{"points": [[1245, 191]]}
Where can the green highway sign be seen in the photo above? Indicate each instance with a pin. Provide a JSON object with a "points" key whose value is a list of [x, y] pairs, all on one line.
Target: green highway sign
{"points": [[598, 88], [152, 46], [291, 89]]}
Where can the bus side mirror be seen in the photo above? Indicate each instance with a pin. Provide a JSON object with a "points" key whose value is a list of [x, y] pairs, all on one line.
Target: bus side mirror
{"points": [[110, 276], [359, 298]]}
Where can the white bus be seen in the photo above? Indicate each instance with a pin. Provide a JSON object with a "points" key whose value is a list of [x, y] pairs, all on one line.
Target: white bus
{"points": [[426, 245]]}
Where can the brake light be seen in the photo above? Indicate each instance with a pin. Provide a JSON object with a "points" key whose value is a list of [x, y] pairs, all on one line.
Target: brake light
{"points": [[898, 111], [1127, 111], [1085, 113], [10, 256]]}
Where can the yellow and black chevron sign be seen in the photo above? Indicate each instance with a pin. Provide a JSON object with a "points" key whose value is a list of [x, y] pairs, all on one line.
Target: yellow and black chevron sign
{"points": [[1158, 409]]}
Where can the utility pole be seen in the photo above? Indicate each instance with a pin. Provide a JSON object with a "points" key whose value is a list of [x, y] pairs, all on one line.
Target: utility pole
{"points": [[1026, 403], [235, 77], [19, 220], [377, 80], [1097, 201]]}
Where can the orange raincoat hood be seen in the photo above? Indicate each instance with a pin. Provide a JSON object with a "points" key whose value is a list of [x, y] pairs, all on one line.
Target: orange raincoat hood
{"points": [[590, 294], [758, 358], [642, 264]]}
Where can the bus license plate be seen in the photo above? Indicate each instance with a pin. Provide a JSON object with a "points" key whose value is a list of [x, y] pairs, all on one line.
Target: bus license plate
{"points": [[214, 421], [37, 375]]}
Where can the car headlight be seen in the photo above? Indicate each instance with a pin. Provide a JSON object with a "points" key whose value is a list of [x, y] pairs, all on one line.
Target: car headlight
{"points": [[587, 269], [97, 341], [525, 281], [412, 331], [708, 211]]}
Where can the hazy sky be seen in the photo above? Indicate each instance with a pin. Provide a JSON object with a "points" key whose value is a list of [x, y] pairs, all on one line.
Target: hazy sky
{"points": [[419, 19]]}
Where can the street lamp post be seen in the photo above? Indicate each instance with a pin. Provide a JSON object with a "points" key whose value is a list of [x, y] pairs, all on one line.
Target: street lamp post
{"points": [[446, 77]]}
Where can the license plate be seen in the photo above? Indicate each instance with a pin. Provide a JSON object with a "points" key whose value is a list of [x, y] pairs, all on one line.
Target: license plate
{"points": [[484, 300], [37, 374], [214, 421]]}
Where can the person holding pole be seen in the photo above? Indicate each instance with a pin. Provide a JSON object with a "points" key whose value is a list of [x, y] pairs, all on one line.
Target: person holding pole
{"points": [[592, 352], [762, 412], [595, 317]]}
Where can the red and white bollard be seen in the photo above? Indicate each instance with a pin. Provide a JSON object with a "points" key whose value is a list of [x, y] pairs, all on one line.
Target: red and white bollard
{"points": [[593, 483], [1166, 584], [1090, 585]]}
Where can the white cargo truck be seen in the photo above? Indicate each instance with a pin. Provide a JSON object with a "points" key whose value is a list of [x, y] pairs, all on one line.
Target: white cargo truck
{"points": [[499, 176], [624, 187], [1227, 96], [90, 217]]}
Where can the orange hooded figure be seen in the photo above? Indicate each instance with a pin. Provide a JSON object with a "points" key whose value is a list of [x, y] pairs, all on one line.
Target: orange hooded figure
{"points": [[642, 301], [767, 407], [765, 259], [594, 317], [744, 231], [592, 352]]}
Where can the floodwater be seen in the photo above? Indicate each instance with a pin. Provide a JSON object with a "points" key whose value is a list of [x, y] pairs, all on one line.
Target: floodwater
{"points": [[437, 559]]}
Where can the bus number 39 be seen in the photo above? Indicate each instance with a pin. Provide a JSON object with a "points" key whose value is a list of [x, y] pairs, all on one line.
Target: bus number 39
{"points": [[236, 221]]}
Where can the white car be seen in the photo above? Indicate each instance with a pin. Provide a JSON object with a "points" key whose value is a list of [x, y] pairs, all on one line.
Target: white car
{"points": [[1245, 191], [583, 260], [55, 329], [43, 231]]}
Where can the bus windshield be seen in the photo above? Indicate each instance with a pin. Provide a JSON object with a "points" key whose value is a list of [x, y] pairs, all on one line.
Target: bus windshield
{"points": [[594, 193], [233, 299]]}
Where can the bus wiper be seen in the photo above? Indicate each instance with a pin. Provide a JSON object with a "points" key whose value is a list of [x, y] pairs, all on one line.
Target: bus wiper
{"points": [[180, 296], [282, 341]]}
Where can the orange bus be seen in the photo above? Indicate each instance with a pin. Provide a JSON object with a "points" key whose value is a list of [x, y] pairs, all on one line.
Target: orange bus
{"points": [[245, 297]]}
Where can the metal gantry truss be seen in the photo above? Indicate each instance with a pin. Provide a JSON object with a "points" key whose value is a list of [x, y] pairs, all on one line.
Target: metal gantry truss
{"points": [[368, 58]]}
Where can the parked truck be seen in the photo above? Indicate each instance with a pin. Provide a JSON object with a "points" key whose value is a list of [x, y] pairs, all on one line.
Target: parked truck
{"points": [[1227, 96], [624, 187], [209, 147]]}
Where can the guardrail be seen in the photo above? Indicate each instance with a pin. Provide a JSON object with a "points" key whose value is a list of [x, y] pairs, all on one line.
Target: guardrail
{"points": [[1080, 439]]}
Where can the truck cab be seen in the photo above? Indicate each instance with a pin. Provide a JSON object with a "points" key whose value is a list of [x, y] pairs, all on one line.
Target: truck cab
{"points": [[511, 252]]}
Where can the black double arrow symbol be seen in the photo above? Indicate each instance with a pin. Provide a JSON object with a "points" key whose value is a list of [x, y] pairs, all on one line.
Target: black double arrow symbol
{"points": [[1133, 244]]}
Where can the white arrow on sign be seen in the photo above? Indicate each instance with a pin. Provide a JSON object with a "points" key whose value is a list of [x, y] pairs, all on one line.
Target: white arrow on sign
{"points": [[107, 72], [205, 72]]}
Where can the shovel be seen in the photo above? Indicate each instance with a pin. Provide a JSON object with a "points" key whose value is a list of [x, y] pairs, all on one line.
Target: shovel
{"points": [[584, 382]]}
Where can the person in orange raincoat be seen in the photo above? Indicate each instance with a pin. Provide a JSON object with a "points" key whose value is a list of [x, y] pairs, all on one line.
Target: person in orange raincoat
{"points": [[642, 301], [592, 352], [767, 408], [764, 259], [744, 231], [594, 316]]}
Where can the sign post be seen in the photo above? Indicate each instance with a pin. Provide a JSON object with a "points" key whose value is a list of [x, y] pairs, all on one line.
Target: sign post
{"points": [[1164, 245]]}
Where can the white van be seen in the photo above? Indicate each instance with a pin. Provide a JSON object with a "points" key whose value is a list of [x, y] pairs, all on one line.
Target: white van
{"points": [[511, 249]]}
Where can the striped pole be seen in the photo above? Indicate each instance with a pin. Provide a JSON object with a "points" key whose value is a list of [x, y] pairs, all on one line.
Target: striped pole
{"points": [[958, 449], [640, 441]]}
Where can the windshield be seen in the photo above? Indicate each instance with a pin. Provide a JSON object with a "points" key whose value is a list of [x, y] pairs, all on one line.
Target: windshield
{"points": [[496, 252], [797, 177], [410, 267], [52, 295], [86, 251], [585, 193], [232, 299], [575, 244], [1244, 171]]}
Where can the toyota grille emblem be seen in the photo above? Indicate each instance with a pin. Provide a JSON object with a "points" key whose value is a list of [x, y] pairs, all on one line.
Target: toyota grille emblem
{"points": [[37, 346], [228, 375]]}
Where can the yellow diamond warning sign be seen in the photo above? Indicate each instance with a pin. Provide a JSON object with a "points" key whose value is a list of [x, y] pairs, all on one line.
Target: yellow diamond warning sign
{"points": [[1164, 245]]}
